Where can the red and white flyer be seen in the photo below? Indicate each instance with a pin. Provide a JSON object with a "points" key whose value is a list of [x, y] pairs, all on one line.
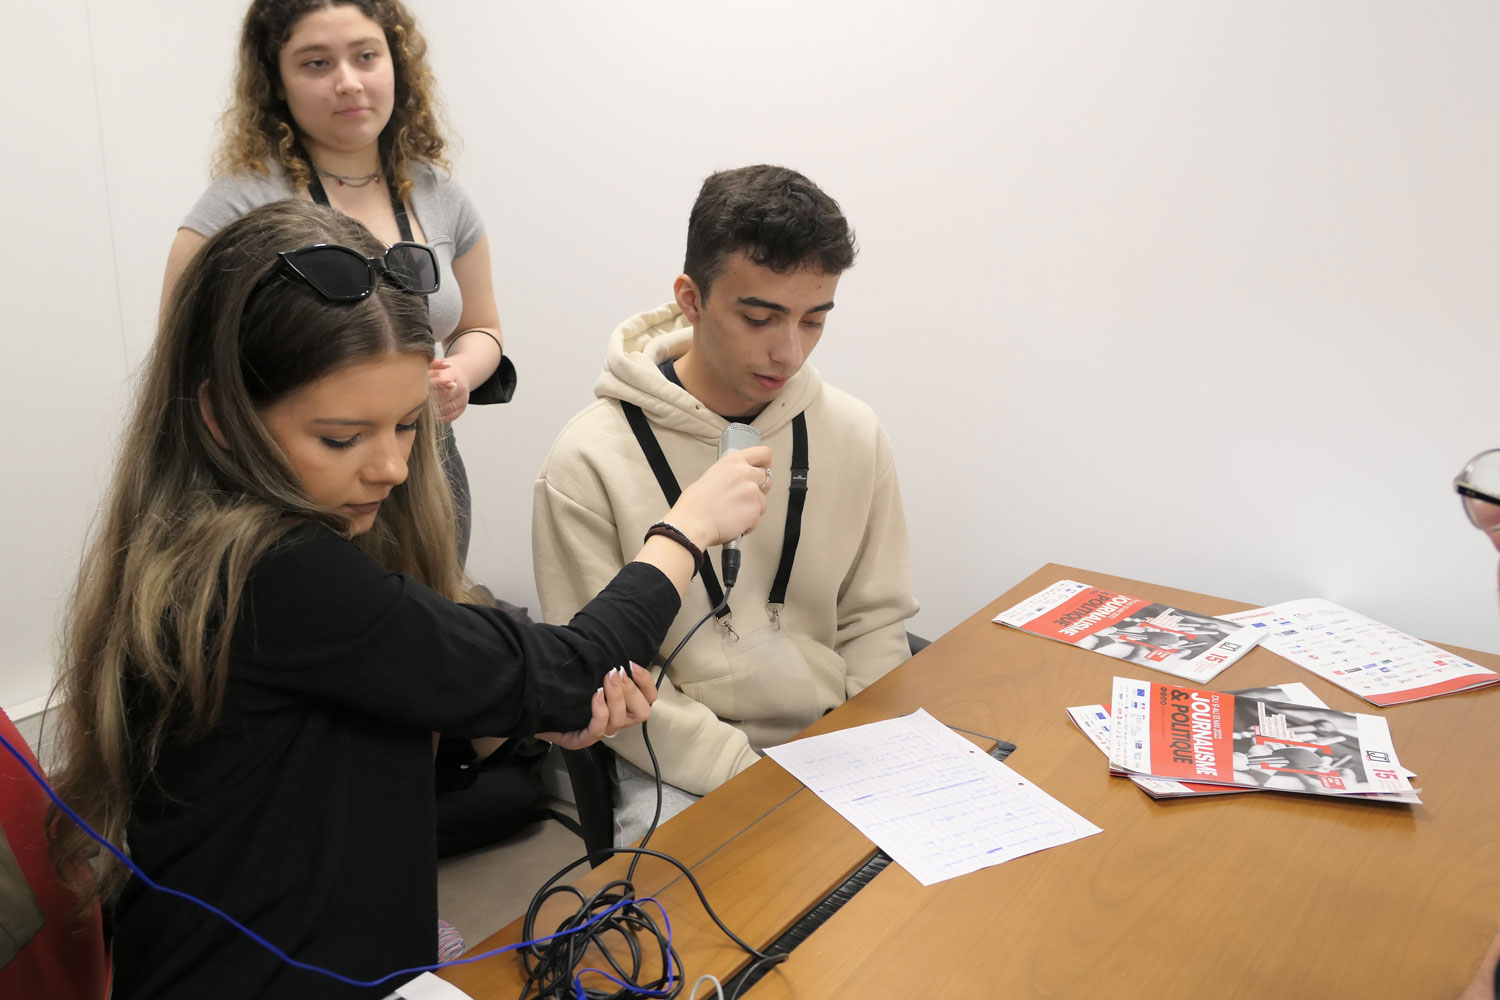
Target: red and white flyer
{"points": [[1381, 664], [1182, 643], [1191, 734], [1094, 721]]}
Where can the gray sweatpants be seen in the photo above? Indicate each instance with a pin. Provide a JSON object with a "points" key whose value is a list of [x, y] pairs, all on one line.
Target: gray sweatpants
{"points": [[637, 802]]}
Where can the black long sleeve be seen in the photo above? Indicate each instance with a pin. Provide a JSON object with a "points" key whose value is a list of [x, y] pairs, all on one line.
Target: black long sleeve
{"points": [[324, 619], [307, 812]]}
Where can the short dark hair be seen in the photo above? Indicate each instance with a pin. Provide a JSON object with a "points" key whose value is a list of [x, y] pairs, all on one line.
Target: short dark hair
{"points": [[774, 215]]}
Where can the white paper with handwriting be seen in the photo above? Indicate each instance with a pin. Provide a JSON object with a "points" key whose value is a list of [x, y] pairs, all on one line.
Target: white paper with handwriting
{"points": [[933, 801], [429, 987]]}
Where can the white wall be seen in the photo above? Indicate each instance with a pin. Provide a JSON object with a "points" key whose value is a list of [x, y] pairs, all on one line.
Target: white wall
{"points": [[64, 382], [1200, 293]]}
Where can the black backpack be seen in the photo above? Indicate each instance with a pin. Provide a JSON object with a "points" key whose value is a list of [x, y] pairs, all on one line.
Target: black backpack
{"points": [[481, 802]]}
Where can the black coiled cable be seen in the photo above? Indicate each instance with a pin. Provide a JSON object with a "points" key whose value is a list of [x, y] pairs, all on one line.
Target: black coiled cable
{"points": [[620, 922]]}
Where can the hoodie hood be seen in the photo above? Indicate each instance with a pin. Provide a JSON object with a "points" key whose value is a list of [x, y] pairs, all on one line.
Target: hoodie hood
{"points": [[640, 344]]}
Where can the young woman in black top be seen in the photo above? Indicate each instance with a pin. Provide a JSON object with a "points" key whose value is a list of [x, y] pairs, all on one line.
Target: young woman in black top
{"points": [[264, 634]]}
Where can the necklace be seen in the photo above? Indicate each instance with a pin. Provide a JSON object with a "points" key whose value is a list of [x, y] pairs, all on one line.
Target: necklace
{"points": [[354, 182]]}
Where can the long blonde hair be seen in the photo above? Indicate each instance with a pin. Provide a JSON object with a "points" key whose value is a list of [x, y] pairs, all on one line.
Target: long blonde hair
{"points": [[258, 129], [145, 655]]}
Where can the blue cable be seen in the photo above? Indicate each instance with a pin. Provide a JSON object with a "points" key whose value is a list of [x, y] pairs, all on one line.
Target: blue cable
{"points": [[283, 956], [671, 969]]}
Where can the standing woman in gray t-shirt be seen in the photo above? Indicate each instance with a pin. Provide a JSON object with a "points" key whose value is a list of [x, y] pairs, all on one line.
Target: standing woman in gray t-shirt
{"points": [[334, 103]]}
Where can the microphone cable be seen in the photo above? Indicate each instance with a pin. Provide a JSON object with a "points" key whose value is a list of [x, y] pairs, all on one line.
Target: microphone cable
{"points": [[262, 942], [614, 917], [613, 908]]}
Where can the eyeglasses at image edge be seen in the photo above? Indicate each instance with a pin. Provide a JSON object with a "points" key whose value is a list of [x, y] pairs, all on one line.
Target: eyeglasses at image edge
{"points": [[1469, 492]]}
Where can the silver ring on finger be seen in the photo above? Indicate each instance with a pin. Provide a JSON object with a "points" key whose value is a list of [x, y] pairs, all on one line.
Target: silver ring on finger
{"points": [[767, 484]]}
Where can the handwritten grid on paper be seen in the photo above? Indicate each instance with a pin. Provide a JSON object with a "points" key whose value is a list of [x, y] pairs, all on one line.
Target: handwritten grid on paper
{"points": [[937, 804]]}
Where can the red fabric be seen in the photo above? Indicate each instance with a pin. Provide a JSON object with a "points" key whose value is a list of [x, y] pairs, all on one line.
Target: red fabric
{"points": [[67, 958]]}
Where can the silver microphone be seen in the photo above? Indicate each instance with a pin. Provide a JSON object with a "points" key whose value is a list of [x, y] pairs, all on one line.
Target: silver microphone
{"points": [[735, 437]]}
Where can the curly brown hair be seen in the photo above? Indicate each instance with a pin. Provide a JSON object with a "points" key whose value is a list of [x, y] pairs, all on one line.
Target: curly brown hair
{"points": [[258, 128]]}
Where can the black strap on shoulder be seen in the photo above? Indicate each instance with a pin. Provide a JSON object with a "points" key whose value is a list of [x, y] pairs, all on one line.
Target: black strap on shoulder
{"points": [[316, 192], [641, 428], [796, 500], [315, 188], [399, 207]]}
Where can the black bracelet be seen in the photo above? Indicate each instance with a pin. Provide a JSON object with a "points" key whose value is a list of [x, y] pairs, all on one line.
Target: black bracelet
{"points": [[680, 537], [474, 329]]}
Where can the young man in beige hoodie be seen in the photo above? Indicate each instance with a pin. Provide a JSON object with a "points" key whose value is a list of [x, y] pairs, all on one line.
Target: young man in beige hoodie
{"points": [[821, 603]]}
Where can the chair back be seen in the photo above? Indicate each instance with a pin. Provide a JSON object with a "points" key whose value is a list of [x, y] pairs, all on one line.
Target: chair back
{"points": [[50, 946]]}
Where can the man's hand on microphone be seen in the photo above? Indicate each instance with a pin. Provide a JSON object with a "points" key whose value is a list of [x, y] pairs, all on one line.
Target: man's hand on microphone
{"points": [[727, 501], [724, 503]]}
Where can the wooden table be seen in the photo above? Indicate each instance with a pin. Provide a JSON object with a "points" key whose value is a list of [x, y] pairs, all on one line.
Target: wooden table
{"points": [[1265, 895]]}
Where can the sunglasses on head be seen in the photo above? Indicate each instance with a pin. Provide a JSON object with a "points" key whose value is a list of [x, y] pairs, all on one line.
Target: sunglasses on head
{"points": [[343, 274]]}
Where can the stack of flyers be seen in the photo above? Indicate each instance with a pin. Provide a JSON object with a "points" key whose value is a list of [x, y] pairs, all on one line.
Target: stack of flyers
{"points": [[1094, 721], [1218, 738], [1380, 664], [1177, 642]]}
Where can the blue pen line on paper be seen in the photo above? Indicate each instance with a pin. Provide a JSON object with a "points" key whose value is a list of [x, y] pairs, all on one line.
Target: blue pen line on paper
{"points": [[957, 784], [998, 816]]}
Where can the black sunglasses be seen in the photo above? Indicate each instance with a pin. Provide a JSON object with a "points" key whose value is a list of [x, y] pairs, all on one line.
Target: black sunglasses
{"points": [[343, 274]]}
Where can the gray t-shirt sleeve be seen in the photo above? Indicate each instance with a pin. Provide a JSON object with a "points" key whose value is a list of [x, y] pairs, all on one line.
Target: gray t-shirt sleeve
{"points": [[230, 197], [465, 225]]}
